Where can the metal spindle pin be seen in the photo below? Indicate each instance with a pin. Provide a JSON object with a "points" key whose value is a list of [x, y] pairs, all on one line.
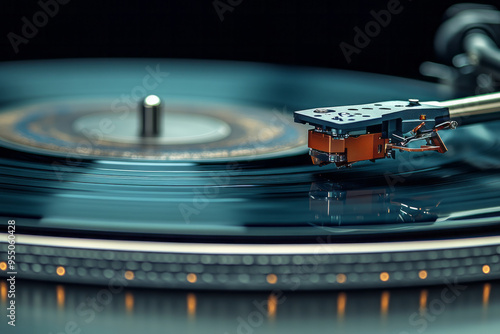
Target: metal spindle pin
{"points": [[150, 116]]}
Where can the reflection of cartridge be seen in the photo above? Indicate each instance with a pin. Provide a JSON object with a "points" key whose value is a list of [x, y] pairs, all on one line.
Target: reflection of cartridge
{"points": [[333, 204]]}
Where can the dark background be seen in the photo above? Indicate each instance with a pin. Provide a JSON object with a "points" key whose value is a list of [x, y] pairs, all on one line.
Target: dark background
{"points": [[287, 32]]}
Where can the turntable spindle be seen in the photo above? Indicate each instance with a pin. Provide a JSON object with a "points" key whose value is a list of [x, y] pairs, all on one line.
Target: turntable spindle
{"points": [[150, 116]]}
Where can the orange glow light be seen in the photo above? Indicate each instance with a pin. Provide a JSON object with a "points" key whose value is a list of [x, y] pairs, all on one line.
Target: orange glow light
{"points": [[486, 294], [486, 269], [341, 303], [129, 275], [129, 302], [191, 278], [341, 278], [384, 302], [272, 306], [272, 279], [191, 304], [384, 276], [3, 266], [422, 274], [3, 291], [60, 271], [423, 301], [61, 296]]}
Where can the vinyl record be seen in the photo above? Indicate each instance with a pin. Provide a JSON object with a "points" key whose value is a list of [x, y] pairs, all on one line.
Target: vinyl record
{"points": [[228, 193]]}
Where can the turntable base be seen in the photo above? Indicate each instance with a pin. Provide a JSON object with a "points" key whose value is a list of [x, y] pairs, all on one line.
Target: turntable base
{"points": [[261, 220]]}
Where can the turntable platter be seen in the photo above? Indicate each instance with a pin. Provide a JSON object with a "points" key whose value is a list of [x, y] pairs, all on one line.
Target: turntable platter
{"points": [[268, 203]]}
